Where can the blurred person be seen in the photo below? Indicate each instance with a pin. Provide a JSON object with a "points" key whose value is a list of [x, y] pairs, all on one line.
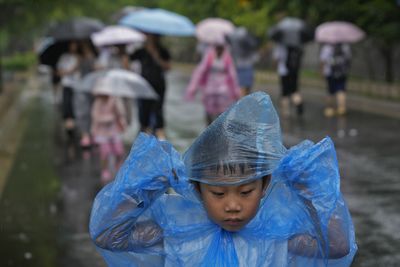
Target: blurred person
{"points": [[113, 57], [83, 101], [288, 60], [245, 72], [68, 70], [116, 57], [154, 62], [108, 123], [216, 77], [56, 83], [245, 56], [335, 65]]}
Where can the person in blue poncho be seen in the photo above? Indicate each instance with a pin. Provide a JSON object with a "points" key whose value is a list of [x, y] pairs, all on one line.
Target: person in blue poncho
{"points": [[242, 199]]}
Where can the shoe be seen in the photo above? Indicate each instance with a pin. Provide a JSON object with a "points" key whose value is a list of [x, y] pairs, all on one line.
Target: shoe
{"points": [[300, 109], [329, 112]]}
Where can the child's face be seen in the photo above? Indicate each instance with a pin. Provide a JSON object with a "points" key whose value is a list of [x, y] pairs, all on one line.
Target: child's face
{"points": [[232, 207]]}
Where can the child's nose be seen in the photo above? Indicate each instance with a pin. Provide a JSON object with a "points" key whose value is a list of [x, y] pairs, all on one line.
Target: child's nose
{"points": [[233, 205]]}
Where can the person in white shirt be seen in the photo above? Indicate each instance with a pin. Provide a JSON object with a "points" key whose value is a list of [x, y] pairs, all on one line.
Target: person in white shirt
{"points": [[335, 64], [68, 70]]}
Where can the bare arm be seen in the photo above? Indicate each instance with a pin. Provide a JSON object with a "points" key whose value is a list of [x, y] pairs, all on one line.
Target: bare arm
{"points": [[120, 218], [164, 64], [307, 245], [125, 233]]}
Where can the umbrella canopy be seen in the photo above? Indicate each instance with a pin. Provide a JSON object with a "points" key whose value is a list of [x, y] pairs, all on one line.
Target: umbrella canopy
{"points": [[75, 29], [214, 30], [117, 82], [113, 35], [49, 51], [242, 42], [339, 32], [159, 21], [291, 32]]}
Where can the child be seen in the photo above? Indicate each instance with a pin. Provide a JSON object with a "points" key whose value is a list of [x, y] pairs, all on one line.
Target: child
{"points": [[216, 76], [108, 123], [242, 199]]}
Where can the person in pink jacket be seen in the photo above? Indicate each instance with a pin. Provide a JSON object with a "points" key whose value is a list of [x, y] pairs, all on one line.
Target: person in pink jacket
{"points": [[217, 79], [108, 123]]}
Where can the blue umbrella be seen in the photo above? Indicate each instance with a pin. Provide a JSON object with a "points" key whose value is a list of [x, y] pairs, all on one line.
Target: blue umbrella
{"points": [[159, 21]]}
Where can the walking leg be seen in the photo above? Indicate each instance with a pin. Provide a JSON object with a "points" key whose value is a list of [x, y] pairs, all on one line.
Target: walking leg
{"points": [[341, 103]]}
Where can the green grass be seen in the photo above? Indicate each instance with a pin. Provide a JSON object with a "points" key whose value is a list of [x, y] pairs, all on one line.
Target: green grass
{"points": [[19, 61]]}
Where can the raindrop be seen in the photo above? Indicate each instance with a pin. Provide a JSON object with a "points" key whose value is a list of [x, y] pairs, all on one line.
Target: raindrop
{"points": [[341, 133], [353, 132], [28, 255], [23, 237]]}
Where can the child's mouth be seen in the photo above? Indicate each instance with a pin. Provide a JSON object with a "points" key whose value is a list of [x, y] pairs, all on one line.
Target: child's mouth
{"points": [[233, 222]]}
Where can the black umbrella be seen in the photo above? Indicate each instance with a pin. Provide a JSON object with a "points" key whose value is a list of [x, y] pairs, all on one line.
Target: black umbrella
{"points": [[242, 42], [291, 32], [75, 29], [50, 51]]}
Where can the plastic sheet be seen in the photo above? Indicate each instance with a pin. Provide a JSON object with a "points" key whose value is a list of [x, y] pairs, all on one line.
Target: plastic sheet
{"points": [[302, 219], [247, 135]]}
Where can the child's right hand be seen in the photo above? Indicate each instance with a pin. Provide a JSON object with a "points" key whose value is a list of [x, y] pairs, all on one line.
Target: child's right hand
{"points": [[151, 165]]}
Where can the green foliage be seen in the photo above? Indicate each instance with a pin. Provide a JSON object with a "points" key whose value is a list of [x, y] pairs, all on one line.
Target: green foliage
{"points": [[29, 19], [19, 61]]}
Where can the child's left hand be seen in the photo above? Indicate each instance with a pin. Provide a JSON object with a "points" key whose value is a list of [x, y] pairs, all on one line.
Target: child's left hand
{"points": [[312, 171]]}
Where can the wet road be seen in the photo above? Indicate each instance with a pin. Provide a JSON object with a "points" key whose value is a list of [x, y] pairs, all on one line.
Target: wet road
{"points": [[45, 206]]}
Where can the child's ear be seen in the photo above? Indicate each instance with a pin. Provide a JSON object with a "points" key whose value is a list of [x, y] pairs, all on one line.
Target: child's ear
{"points": [[265, 182]]}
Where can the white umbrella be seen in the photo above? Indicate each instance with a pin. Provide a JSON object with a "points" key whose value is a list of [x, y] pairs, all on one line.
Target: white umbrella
{"points": [[113, 35], [214, 30], [117, 82], [339, 32]]}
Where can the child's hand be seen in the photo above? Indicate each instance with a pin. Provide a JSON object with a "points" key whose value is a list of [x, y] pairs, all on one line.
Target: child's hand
{"points": [[311, 170], [153, 162]]}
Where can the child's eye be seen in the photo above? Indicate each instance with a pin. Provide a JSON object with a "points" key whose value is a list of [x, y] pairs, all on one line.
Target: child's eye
{"points": [[218, 194], [245, 193]]}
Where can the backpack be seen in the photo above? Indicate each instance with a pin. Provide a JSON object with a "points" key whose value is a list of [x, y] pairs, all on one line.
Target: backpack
{"points": [[340, 62], [293, 59]]}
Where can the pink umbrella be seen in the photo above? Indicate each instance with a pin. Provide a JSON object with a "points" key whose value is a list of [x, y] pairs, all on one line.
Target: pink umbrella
{"points": [[113, 35], [214, 30], [339, 32]]}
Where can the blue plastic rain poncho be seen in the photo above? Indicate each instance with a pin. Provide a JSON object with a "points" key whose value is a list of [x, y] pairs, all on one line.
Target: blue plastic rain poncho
{"points": [[302, 220]]}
